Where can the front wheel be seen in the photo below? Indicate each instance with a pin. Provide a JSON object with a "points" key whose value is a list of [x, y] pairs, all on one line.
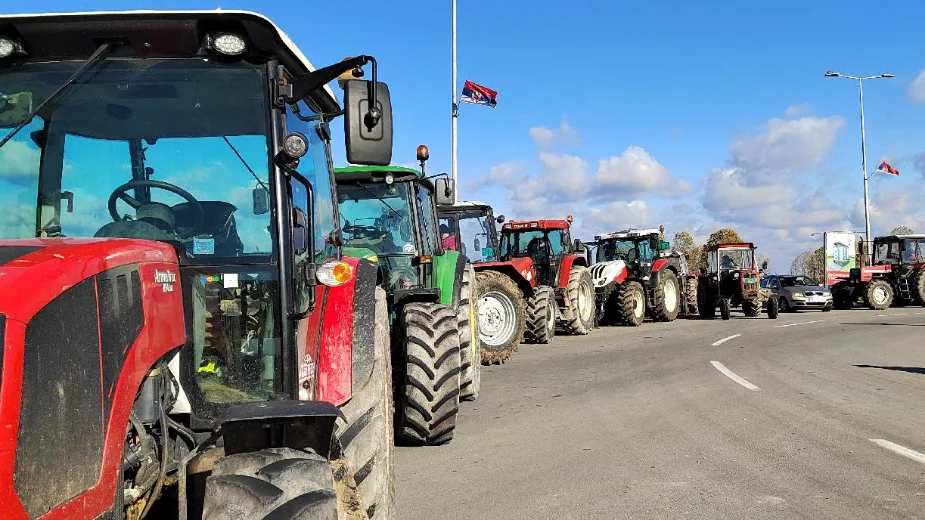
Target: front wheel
{"points": [[724, 308], [541, 315], [629, 303], [773, 308], [280, 483], [706, 302], [430, 387], [879, 295], [500, 311], [581, 301], [691, 296]]}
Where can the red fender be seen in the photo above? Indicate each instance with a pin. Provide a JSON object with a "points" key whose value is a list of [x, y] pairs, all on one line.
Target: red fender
{"points": [[565, 268], [659, 264]]}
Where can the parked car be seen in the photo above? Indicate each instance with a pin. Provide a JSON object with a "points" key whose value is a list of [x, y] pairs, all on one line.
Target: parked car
{"points": [[797, 292]]}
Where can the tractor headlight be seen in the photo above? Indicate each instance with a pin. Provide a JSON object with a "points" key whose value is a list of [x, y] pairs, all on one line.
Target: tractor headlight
{"points": [[295, 145], [229, 44], [6, 47], [334, 274]]}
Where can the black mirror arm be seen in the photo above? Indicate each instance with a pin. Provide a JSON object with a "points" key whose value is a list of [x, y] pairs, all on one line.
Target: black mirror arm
{"points": [[304, 84]]}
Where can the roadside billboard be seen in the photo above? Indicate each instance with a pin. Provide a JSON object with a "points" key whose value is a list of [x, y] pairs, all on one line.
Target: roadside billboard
{"points": [[840, 248]]}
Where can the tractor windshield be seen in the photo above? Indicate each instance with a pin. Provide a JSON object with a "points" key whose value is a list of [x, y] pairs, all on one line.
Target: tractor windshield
{"points": [[476, 234], [907, 251], [161, 149], [628, 250], [734, 259], [539, 245]]}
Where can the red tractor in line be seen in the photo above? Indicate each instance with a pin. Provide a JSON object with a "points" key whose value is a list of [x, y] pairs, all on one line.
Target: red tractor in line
{"points": [[896, 276], [637, 275], [176, 316]]}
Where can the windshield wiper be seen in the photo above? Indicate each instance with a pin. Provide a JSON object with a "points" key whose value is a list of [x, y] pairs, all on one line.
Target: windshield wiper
{"points": [[394, 211], [95, 57], [235, 150]]}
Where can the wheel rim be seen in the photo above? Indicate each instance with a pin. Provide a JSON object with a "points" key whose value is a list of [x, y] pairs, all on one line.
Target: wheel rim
{"points": [[671, 296], [585, 299], [639, 304], [496, 318], [879, 295]]}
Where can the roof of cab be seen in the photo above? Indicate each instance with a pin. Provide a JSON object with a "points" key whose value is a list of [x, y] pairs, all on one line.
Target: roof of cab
{"points": [[108, 16]]}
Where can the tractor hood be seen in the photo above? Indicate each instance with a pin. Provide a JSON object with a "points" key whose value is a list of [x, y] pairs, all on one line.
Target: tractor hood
{"points": [[37, 271], [603, 273]]}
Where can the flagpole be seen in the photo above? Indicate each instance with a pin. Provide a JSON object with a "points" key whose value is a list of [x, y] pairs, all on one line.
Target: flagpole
{"points": [[455, 110]]}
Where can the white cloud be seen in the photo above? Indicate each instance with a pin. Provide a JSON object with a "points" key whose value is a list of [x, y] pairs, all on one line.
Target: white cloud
{"points": [[797, 110], [635, 172], [917, 88], [784, 148], [19, 162], [546, 138]]}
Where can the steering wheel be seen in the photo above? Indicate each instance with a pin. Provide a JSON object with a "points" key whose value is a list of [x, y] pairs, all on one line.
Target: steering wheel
{"points": [[359, 231], [198, 213]]}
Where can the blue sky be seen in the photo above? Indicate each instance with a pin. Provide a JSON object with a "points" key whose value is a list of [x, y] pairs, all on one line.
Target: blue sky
{"points": [[695, 116]]}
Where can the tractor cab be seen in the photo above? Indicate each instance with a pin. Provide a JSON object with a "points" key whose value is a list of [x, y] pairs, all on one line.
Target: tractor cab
{"points": [[904, 252], [546, 242], [388, 213], [470, 228], [637, 248], [195, 141]]}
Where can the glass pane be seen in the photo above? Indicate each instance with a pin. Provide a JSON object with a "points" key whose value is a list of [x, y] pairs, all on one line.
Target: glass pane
{"points": [[447, 233], [19, 182], [236, 340], [428, 220], [375, 217], [475, 236]]}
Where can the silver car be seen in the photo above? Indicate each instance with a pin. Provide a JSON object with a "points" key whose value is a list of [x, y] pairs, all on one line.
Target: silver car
{"points": [[798, 292]]}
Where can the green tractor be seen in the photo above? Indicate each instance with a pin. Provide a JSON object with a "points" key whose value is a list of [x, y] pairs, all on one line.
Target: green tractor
{"points": [[389, 216]]}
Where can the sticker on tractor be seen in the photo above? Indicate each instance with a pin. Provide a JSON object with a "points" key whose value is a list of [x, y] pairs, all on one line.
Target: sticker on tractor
{"points": [[203, 246], [165, 279], [231, 280]]}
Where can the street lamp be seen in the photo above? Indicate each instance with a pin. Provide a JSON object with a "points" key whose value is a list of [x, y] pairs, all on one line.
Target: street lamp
{"points": [[860, 80], [824, 232]]}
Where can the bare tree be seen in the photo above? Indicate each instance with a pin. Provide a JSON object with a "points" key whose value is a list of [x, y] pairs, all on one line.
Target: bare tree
{"points": [[902, 230]]}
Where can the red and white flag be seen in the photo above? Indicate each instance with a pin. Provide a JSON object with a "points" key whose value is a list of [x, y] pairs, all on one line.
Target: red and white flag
{"points": [[886, 168]]}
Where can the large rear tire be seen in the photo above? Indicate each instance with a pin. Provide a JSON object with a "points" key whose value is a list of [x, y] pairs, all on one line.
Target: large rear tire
{"points": [[429, 389], [878, 295], [691, 296], [470, 380], [581, 302], [628, 303], [918, 287], [280, 483], [541, 315], [666, 298], [366, 438], [500, 311]]}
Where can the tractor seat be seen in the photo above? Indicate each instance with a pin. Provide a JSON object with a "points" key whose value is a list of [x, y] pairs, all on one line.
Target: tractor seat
{"points": [[218, 222]]}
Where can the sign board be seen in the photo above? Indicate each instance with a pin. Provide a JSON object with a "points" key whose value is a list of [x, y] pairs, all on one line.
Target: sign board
{"points": [[840, 248]]}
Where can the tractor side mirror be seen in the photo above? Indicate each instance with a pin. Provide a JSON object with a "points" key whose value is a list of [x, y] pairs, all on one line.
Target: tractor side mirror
{"points": [[579, 246], [261, 201], [369, 142], [500, 219], [477, 244], [764, 265], [445, 187], [664, 246]]}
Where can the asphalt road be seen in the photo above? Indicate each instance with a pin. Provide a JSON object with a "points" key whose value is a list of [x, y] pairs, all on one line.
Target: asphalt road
{"points": [[649, 422]]}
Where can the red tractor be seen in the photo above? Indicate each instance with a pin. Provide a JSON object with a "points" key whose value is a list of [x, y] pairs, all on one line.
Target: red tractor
{"points": [[503, 286], [176, 319], [557, 268], [897, 276], [637, 275]]}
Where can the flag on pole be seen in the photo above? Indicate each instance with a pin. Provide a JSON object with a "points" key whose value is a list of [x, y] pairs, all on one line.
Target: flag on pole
{"points": [[478, 95], [886, 168]]}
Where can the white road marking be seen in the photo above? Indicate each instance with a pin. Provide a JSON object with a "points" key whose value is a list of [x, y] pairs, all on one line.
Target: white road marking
{"points": [[720, 342], [731, 375], [882, 315], [918, 313], [901, 450], [800, 323]]}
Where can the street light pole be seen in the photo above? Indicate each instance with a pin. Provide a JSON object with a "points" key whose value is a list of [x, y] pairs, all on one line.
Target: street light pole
{"points": [[829, 74]]}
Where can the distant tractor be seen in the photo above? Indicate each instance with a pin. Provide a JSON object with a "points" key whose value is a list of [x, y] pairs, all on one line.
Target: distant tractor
{"points": [[504, 287], [897, 276], [389, 215], [637, 275], [564, 291], [732, 280]]}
